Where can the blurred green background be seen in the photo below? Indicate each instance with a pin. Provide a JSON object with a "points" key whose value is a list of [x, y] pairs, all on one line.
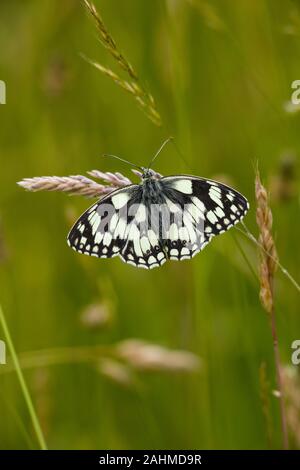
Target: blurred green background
{"points": [[221, 74]]}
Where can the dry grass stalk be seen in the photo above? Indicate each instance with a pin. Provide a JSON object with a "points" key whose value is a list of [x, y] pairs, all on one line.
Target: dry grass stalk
{"points": [[145, 356], [97, 315], [117, 372], [269, 259], [78, 184], [268, 264], [108, 42], [81, 185], [114, 360], [116, 179], [265, 400], [291, 386], [132, 85]]}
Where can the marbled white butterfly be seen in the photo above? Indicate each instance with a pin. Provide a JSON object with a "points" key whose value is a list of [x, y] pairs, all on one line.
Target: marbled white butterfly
{"points": [[172, 217]]}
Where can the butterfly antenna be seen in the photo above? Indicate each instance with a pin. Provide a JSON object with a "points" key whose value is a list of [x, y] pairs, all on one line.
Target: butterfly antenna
{"points": [[122, 160], [160, 149]]}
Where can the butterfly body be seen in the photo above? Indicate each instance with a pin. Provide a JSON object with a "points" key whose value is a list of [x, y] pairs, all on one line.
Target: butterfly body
{"points": [[172, 217], [151, 191]]}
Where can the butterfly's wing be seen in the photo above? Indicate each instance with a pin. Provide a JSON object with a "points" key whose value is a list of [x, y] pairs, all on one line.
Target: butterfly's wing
{"points": [[208, 208], [119, 224], [116, 226], [143, 247], [101, 230]]}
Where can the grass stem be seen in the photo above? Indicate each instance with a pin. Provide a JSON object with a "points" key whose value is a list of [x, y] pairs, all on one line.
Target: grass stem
{"points": [[267, 268], [279, 381], [24, 388]]}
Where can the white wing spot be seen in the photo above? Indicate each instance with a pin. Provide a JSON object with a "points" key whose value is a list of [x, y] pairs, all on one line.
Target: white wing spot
{"points": [[184, 186], [98, 237], [145, 245], [219, 212], [216, 198], [137, 246], [183, 234], [140, 215], [195, 212], [154, 265], [198, 204], [211, 217], [152, 237], [119, 200], [173, 232], [120, 229], [144, 266], [91, 209], [113, 222], [173, 207], [95, 222], [107, 238]]}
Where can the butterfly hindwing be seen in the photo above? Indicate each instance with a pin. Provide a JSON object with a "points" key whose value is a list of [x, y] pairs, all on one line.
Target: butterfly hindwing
{"points": [[143, 247]]}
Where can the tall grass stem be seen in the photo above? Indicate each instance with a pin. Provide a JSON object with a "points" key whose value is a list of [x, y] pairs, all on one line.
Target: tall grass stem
{"points": [[267, 268], [24, 388]]}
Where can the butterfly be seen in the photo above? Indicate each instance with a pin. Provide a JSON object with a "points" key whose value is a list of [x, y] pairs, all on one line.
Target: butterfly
{"points": [[170, 217]]}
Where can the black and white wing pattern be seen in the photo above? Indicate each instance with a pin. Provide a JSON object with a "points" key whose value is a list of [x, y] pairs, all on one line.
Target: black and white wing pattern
{"points": [[101, 230], [143, 247], [173, 217], [200, 209], [117, 225]]}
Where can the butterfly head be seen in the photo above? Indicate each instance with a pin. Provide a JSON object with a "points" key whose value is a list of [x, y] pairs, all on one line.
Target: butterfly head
{"points": [[147, 174]]}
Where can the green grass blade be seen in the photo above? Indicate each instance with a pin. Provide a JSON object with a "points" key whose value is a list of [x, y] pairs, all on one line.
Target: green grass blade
{"points": [[24, 388]]}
